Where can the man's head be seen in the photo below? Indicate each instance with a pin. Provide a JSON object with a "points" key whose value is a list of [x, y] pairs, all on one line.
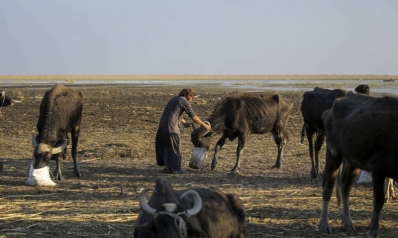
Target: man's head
{"points": [[189, 93]]}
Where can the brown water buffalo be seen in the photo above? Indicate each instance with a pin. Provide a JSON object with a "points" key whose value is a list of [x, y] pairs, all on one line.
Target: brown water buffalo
{"points": [[239, 114], [60, 113], [361, 131], [195, 212]]}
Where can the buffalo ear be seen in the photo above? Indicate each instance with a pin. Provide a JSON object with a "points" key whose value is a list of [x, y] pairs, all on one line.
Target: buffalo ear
{"points": [[147, 227], [211, 133], [195, 231]]}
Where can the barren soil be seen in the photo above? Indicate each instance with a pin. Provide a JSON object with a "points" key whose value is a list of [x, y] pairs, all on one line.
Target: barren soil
{"points": [[116, 156]]}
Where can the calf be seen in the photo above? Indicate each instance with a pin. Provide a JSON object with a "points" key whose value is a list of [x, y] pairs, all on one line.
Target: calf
{"points": [[360, 130], [60, 113], [237, 115], [196, 212]]}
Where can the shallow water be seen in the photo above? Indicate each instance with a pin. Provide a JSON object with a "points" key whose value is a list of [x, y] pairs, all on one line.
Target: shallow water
{"points": [[376, 86]]}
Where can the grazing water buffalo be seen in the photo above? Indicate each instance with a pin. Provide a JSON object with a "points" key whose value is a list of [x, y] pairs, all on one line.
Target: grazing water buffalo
{"points": [[238, 114], [314, 103], [361, 130], [60, 113], [196, 212]]}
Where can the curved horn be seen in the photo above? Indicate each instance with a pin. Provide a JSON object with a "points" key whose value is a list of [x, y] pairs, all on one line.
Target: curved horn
{"points": [[197, 202], [34, 142], [208, 123], [59, 149], [144, 205]]}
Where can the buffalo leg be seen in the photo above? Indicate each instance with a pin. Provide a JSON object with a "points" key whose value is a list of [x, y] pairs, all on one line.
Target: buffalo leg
{"points": [[57, 171], [75, 139], [310, 138], [316, 171], [333, 162], [378, 203], [302, 135], [218, 147], [349, 175], [280, 143], [239, 149]]}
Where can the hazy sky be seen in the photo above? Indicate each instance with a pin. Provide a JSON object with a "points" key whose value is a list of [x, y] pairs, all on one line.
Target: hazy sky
{"points": [[198, 37]]}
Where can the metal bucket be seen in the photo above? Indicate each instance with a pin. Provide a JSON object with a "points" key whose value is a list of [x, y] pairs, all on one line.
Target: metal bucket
{"points": [[197, 158]]}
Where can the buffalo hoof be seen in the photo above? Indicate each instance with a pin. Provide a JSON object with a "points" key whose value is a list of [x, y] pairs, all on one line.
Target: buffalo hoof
{"points": [[213, 165], [315, 174], [77, 173], [325, 228], [58, 175], [276, 166], [234, 173], [372, 234]]}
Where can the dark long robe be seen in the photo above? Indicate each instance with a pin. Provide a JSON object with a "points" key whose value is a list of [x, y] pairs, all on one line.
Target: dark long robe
{"points": [[167, 143]]}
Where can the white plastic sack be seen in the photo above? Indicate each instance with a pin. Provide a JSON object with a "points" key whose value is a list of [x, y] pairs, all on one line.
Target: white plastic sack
{"points": [[39, 177], [197, 158], [365, 177]]}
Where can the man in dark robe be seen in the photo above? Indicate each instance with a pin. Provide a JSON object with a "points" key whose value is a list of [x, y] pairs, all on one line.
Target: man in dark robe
{"points": [[167, 143]]}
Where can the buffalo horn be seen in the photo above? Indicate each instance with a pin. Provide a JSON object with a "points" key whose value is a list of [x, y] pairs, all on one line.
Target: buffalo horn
{"points": [[197, 202], [144, 205], [59, 149], [34, 142], [208, 123]]}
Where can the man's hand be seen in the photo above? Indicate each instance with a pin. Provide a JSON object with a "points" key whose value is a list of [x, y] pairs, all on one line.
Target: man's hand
{"points": [[207, 126]]}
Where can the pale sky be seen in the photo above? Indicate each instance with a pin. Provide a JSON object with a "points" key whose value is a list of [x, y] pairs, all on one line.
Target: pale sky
{"points": [[198, 37]]}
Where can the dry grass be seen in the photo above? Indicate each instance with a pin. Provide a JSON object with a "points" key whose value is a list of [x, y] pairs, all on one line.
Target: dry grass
{"points": [[116, 158]]}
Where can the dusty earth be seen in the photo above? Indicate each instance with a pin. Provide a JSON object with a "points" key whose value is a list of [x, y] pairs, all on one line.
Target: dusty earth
{"points": [[117, 160]]}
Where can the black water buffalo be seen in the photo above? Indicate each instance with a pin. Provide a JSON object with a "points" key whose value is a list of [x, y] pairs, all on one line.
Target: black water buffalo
{"points": [[5, 100], [196, 212], [60, 113], [239, 114], [314, 103], [361, 130], [362, 88]]}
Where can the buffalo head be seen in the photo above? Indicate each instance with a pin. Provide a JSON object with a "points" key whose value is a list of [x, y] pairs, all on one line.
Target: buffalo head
{"points": [[43, 152], [4, 100], [200, 137], [170, 219], [362, 88]]}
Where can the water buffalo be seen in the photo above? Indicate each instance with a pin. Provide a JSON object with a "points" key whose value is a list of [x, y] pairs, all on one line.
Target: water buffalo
{"points": [[360, 131], [60, 113], [314, 103], [239, 114], [5, 100], [196, 212]]}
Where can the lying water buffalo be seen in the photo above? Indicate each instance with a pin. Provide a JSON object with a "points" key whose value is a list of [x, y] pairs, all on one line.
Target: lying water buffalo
{"points": [[196, 212], [5, 100], [238, 114], [361, 130], [60, 113]]}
